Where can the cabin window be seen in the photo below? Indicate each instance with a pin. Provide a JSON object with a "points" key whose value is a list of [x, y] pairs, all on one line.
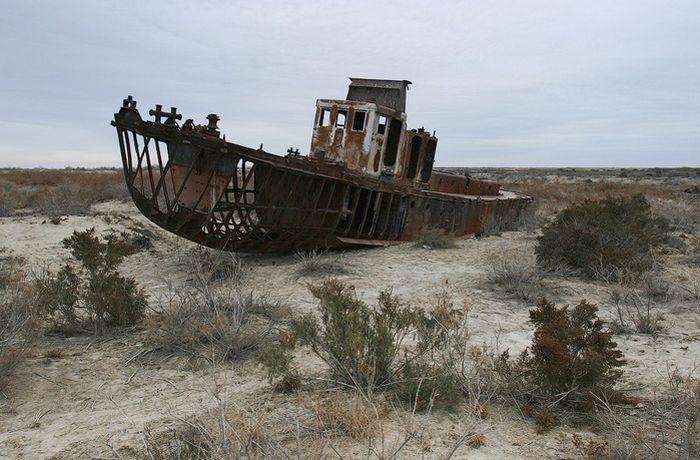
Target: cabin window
{"points": [[381, 128], [358, 121], [392, 142], [428, 159], [414, 157], [324, 117], [341, 118]]}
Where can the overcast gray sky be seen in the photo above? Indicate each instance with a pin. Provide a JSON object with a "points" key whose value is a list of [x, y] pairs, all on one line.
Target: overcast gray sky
{"points": [[504, 83]]}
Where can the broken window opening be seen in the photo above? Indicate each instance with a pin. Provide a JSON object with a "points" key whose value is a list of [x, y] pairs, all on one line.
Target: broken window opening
{"points": [[340, 118], [358, 121], [381, 128], [392, 142], [414, 157], [324, 117], [428, 160]]}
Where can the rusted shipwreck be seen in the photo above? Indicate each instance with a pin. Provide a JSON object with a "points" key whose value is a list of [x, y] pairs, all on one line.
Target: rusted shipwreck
{"points": [[368, 180]]}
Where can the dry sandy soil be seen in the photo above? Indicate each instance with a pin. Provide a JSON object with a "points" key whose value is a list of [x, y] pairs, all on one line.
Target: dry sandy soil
{"points": [[93, 399]]}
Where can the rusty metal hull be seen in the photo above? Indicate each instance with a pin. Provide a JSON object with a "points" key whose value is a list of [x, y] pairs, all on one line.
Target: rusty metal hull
{"points": [[227, 196]]}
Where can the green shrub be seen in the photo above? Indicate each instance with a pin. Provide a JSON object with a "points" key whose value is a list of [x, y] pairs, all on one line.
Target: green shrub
{"points": [[572, 355], [96, 294], [603, 239], [360, 344], [364, 347], [421, 385], [278, 363]]}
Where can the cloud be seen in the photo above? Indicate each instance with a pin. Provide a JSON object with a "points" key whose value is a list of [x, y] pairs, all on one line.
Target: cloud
{"points": [[538, 83]]}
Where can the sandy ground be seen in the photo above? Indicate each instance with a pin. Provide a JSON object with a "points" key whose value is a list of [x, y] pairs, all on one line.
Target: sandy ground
{"points": [[96, 399]]}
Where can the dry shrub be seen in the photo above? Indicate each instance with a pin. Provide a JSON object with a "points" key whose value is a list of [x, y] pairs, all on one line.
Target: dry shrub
{"points": [[636, 304], [308, 429], [682, 214], [315, 263], [215, 318], [436, 238], [516, 273], [572, 355], [602, 239], [347, 415], [545, 420], [19, 324], [593, 449], [215, 326], [554, 195], [423, 385], [219, 433], [95, 295], [59, 192], [209, 265], [665, 426]]}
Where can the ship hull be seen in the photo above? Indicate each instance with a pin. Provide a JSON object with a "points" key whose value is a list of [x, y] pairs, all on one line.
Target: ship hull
{"points": [[235, 198]]}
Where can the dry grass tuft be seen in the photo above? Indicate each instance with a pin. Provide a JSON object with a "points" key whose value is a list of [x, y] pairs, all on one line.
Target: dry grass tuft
{"points": [[315, 263], [347, 415]]}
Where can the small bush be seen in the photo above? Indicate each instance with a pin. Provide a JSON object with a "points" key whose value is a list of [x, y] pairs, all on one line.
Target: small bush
{"points": [[314, 263], [545, 420], [665, 426], [19, 326], [361, 345], [218, 433], [278, 363], [213, 265], [347, 415], [516, 274], [602, 239], [96, 294], [422, 385], [636, 311], [213, 324], [364, 347], [573, 356]]}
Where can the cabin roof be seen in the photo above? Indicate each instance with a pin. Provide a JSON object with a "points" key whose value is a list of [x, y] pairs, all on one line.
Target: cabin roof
{"points": [[390, 93]]}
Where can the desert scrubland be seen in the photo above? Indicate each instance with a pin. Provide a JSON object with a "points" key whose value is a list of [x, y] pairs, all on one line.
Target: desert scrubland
{"points": [[217, 355]]}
